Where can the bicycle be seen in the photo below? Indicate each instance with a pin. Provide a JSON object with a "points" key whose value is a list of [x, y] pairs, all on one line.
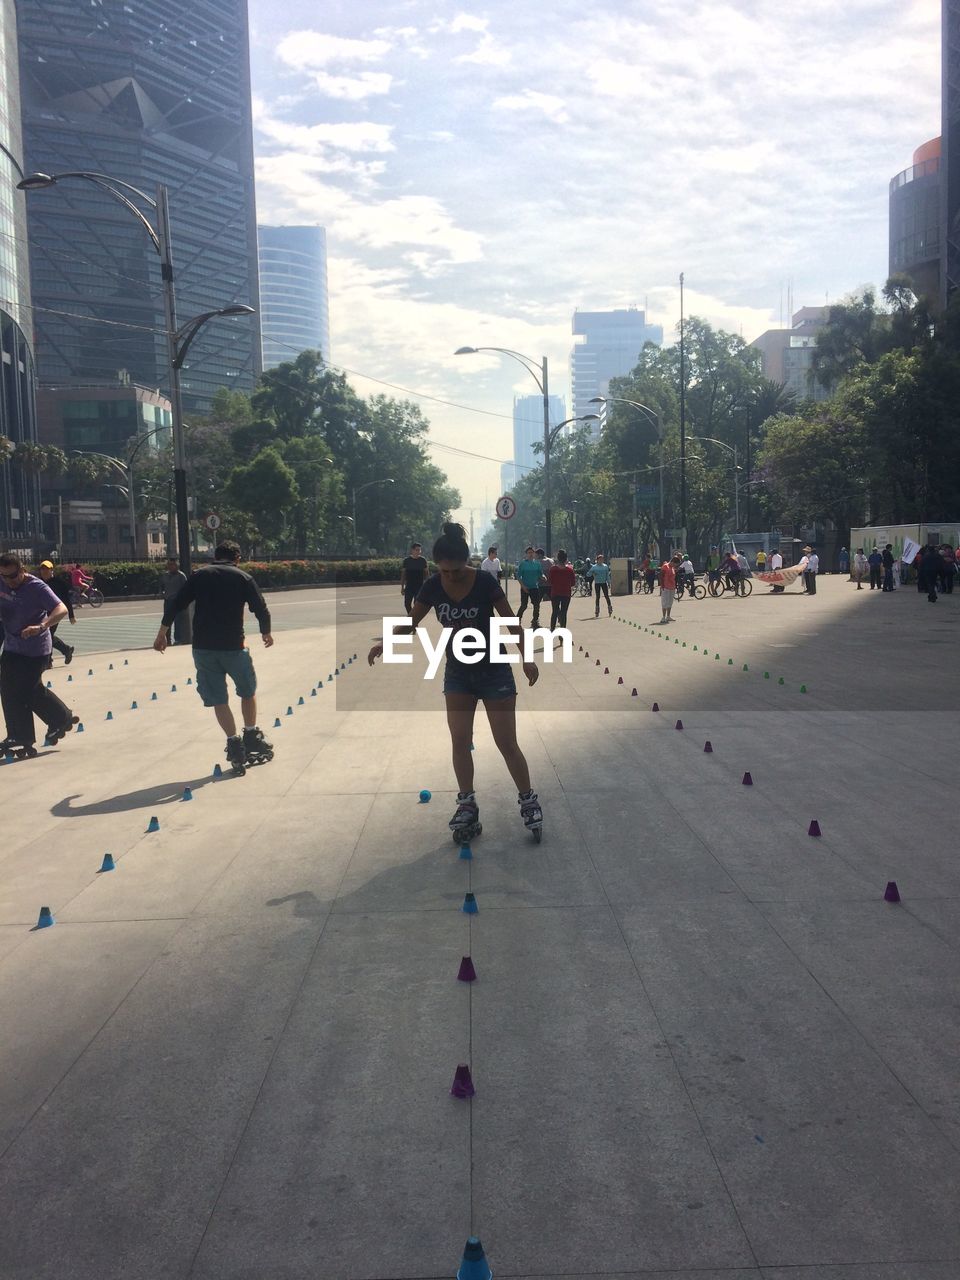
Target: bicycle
{"points": [[724, 584], [696, 590], [80, 596], [643, 586], [583, 587]]}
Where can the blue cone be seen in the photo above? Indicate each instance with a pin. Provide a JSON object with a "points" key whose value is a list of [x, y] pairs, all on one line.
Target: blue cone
{"points": [[110, 668], [354, 657], [80, 727], [69, 679], [187, 794], [289, 711], [46, 918], [217, 771], [300, 702], [189, 679], [109, 715], [343, 666], [313, 694], [49, 684], [469, 907], [474, 1265], [424, 797], [276, 723], [133, 705], [108, 863], [173, 688], [90, 672], [153, 697], [126, 662], [465, 852], [153, 824]]}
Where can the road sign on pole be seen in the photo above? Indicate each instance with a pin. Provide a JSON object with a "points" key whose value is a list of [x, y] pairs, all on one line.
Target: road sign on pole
{"points": [[212, 521], [506, 507]]}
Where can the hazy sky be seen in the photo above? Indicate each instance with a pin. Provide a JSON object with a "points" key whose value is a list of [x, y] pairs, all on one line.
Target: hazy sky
{"points": [[482, 171]]}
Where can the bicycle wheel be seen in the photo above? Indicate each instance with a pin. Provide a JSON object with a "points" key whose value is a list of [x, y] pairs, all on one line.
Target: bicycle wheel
{"points": [[747, 586], [94, 597], [717, 589], [699, 591]]}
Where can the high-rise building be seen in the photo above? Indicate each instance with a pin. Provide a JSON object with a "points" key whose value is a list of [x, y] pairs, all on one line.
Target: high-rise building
{"points": [[146, 93], [950, 150], [528, 431], [915, 240], [787, 354], [19, 490], [609, 345], [294, 304]]}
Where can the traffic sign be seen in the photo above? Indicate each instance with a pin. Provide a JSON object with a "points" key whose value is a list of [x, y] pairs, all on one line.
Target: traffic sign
{"points": [[212, 521], [506, 507]]}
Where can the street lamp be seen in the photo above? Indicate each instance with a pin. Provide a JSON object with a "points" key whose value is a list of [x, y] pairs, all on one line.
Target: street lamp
{"points": [[178, 338], [653, 417], [541, 380], [731, 449], [360, 489]]}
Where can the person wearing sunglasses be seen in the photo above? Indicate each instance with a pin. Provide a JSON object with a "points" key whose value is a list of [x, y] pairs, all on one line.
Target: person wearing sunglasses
{"points": [[28, 611]]}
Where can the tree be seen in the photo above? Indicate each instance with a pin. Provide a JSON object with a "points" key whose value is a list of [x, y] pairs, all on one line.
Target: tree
{"points": [[266, 488]]}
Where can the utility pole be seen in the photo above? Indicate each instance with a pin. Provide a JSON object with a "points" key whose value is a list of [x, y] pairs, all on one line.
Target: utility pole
{"points": [[683, 427]]}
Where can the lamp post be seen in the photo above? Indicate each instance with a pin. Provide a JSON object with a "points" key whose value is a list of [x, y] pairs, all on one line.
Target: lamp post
{"points": [[731, 449], [541, 379], [360, 489], [178, 338]]}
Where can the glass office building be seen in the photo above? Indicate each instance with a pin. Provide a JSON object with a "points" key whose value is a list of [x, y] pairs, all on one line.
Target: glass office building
{"points": [[19, 491], [294, 304], [148, 93], [915, 222], [608, 345]]}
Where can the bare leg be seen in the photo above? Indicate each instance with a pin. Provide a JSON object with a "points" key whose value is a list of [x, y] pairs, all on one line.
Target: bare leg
{"points": [[502, 715], [225, 719], [461, 708], [249, 708]]}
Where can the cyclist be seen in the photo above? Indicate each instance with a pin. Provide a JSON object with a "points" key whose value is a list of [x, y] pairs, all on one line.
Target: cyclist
{"points": [[685, 573], [733, 573], [80, 580]]}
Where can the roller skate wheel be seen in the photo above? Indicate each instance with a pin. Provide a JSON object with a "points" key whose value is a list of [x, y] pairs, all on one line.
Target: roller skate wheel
{"points": [[537, 834]]}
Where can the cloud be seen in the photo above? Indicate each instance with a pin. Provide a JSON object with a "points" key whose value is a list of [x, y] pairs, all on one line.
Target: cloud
{"points": [[311, 139], [307, 50], [532, 102], [353, 88]]}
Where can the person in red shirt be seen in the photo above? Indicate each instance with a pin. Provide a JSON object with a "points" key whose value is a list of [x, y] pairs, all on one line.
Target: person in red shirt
{"points": [[668, 585], [562, 580]]}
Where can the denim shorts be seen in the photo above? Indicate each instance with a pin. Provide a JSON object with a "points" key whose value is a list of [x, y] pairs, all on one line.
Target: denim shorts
{"points": [[213, 667], [489, 682]]}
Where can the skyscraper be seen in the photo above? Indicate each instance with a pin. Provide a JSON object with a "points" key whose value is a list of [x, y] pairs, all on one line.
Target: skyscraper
{"points": [[950, 150], [294, 305], [528, 431], [19, 491], [610, 348], [147, 93]]}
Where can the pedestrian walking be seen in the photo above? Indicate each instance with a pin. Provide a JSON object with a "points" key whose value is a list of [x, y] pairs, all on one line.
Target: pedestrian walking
{"points": [[60, 585], [860, 567], [546, 564], [810, 571], [29, 607], [875, 560], [929, 573], [886, 559], [947, 569], [600, 573], [844, 560], [562, 581], [219, 592], [668, 586], [463, 597], [491, 564], [413, 574], [529, 574], [171, 580]]}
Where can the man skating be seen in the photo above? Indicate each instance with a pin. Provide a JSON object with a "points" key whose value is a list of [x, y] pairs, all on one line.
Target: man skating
{"points": [[29, 609], [413, 574], [219, 593]]}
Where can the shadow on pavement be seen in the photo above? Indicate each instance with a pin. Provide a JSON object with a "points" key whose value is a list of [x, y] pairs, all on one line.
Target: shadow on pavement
{"points": [[163, 793]]}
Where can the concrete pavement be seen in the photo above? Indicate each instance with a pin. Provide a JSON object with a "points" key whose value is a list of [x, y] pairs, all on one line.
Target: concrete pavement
{"points": [[703, 1045]]}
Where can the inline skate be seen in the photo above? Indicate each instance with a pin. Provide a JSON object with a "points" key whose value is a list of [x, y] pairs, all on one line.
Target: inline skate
{"points": [[465, 824], [258, 750], [531, 813], [17, 750], [61, 731], [236, 756]]}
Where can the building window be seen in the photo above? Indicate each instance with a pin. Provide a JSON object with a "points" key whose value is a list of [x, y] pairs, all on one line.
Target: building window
{"points": [[96, 533], [125, 532]]}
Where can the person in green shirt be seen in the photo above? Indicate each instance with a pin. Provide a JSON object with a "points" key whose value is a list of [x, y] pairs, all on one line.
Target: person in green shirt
{"points": [[713, 564], [529, 573]]}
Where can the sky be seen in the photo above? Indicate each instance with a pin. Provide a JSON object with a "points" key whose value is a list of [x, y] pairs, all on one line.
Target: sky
{"points": [[483, 171]]}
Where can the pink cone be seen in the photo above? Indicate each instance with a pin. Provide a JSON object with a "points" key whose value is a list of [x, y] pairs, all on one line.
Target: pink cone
{"points": [[467, 972], [747, 780], [708, 746], [462, 1086], [891, 893], [655, 707], [814, 828], [606, 671], [634, 694], [679, 724], [598, 662], [619, 679]]}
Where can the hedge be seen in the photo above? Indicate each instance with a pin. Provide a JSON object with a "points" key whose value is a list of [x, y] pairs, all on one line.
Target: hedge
{"points": [[136, 578]]}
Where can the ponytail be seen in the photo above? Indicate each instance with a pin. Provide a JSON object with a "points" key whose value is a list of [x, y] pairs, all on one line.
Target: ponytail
{"points": [[452, 544]]}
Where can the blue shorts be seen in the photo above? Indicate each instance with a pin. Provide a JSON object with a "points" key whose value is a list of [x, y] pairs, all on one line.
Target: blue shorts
{"points": [[213, 667], [490, 682]]}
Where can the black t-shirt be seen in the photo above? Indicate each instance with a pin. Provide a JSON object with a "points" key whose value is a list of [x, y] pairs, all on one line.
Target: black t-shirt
{"points": [[220, 591], [474, 610], [416, 571]]}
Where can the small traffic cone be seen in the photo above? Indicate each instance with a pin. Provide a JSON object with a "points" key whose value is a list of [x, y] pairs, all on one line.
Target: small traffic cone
{"points": [[108, 863], [814, 828], [110, 668], [474, 1265], [745, 667], [109, 715], [655, 707], [466, 853], [747, 780], [766, 675], [313, 693], [708, 746], [189, 679], [276, 723], [187, 794], [781, 680], [467, 972], [587, 653], [678, 725], [469, 907], [173, 688], [803, 688], [606, 671], [579, 648], [80, 727], [126, 663], [217, 770], [289, 711], [70, 679], [49, 684], [619, 679], [695, 649], [301, 702], [46, 918], [462, 1086], [716, 657], [633, 693], [729, 662], [90, 672], [153, 697], [133, 705], [343, 666], [153, 824], [890, 894], [597, 662]]}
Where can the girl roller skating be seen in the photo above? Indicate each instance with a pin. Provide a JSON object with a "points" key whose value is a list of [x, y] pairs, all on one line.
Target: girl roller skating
{"points": [[462, 598]]}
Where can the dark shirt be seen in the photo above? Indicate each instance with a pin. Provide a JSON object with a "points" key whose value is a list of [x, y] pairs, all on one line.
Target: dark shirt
{"points": [[220, 592], [474, 610], [60, 585], [875, 558], [887, 558], [416, 570]]}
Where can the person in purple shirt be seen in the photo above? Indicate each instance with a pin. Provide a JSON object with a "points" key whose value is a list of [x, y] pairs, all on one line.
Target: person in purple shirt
{"points": [[28, 609]]}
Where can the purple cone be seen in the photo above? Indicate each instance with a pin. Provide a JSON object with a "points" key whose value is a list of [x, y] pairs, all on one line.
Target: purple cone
{"points": [[462, 1083], [467, 972]]}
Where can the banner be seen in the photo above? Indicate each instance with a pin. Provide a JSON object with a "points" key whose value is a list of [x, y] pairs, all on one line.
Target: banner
{"points": [[781, 577], [910, 549]]}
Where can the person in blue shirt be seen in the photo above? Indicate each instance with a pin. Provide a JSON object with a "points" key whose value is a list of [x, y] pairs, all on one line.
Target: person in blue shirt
{"points": [[529, 574], [600, 573]]}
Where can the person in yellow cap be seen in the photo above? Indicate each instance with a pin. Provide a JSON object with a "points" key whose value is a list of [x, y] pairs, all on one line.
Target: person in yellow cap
{"points": [[60, 585]]}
